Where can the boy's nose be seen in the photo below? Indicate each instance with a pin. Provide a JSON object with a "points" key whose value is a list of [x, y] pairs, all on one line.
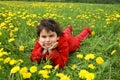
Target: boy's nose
{"points": [[48, 39]]}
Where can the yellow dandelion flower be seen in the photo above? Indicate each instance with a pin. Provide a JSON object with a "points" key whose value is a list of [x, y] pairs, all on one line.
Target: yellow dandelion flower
{"points": [[1, 49], [33, 40], [65, 78], [78, 16], [108, 22], [4, 15], [107, 19], [11, 34], [23, 70], [0, 67], [32, 24], [20, 60], [44, 72], [23, 17], [2, 53], [113, 52], [12, 62], [33, 69], [117, 15], [93, 33], [74, 67], [104, 27], [11, 40], [15, 69], [89, 56], [21, 48], [15, 29], [90, 76], [80, 56], [93, 26], [6, 60], [60, 75], [45, 76], [83, 73], [99, 60], [69, 18], [47, 67], [2, 24], [27, 75], [18, 12], [91, 66]]}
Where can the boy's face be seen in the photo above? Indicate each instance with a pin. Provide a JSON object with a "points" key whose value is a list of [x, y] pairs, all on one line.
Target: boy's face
{"points": [[48, 38]]}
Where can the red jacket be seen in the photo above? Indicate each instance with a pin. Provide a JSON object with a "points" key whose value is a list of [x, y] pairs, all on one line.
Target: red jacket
{"points": [[66, 45]]}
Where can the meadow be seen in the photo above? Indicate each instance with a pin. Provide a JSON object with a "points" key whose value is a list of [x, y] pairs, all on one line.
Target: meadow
{"points": [[97, 58]]}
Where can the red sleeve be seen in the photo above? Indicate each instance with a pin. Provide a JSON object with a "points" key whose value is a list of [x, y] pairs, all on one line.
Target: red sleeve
{"points": [[36, 53], [60, 55]]}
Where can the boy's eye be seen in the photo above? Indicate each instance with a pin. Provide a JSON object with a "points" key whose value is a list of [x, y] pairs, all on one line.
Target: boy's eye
{"points": [[43, 36], [51, 35]]}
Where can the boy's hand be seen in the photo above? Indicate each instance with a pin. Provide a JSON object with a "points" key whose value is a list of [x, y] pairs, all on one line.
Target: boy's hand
{"points": [[54, 45], [44, 47]]}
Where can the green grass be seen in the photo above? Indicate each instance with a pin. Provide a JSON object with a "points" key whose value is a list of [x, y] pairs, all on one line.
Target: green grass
{"points": [[103, 19]]}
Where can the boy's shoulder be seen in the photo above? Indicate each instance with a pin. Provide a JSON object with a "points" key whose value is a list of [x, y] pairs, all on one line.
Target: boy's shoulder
{"points": [[63, 40], [63, 37]]}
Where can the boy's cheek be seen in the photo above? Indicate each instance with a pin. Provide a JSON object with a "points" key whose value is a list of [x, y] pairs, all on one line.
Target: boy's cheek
{"points": [[42, 40]]}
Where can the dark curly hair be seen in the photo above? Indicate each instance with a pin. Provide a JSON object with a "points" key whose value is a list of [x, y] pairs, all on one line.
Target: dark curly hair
{"points": [[49, 24]]}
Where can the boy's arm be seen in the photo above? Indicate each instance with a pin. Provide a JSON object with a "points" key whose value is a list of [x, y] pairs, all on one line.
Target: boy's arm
{"points": [[60, 56], [36, 53]]}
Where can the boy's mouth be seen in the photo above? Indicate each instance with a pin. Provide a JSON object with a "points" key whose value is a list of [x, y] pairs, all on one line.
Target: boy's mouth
{"points": [[48, 45]]}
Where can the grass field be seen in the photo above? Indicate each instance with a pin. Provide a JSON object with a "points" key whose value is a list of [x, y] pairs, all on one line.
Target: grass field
{"points": [[98, 57]]}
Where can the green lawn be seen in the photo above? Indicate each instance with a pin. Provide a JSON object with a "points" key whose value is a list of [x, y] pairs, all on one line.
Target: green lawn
{"points": [[98, 56]]}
